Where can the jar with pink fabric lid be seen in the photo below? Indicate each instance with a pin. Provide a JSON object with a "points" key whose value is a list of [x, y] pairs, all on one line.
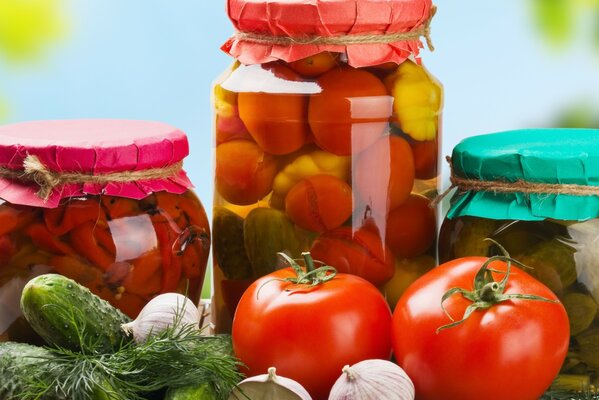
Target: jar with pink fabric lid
{"points": [[327, 134], [104, 202]]}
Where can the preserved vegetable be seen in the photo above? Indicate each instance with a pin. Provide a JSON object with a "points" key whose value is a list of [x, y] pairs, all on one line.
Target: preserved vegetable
{"points": [[323, 148]]}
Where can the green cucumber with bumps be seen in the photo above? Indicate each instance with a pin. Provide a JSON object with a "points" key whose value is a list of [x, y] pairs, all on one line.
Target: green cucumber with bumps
{"points": [[19, 362], [201, 392], [15, 358], [68, 315]]}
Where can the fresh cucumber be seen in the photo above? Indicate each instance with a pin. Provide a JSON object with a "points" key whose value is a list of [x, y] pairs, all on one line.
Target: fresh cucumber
{"points": [[22, 364], [15, 358], [201, 392], [68, 315]]}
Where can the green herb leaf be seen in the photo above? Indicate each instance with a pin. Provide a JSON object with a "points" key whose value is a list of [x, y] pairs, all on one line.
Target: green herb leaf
{"points": [[175, 358]]}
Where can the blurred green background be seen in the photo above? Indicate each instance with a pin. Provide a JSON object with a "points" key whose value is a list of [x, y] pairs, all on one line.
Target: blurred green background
{"points": [[505, 64], [564, 24]]}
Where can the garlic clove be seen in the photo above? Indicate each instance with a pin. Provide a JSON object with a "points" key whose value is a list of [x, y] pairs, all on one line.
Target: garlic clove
{"points": [[373, 380], [162, 312], [269, 387]]}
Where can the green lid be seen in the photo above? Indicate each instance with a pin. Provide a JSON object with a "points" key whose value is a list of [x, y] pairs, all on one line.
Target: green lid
{"points": [[541, 156]]}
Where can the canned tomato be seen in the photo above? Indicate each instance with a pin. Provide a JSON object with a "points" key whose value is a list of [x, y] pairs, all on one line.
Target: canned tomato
{"points": [[327, 135]]}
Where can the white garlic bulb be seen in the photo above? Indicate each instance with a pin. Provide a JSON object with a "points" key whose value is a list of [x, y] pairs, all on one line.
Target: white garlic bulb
{"points": [[162, 312], [373, 380], [269, 387]]}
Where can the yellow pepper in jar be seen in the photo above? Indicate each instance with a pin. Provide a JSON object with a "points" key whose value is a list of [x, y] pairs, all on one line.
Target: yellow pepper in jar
{"points": [[418, 100], [225, 102], [314, 163], [229, 125]]}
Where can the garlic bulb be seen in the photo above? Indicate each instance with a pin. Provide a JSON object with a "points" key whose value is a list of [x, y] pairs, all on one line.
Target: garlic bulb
{"points": [[373, 380], [269, 387], [162, 312]]}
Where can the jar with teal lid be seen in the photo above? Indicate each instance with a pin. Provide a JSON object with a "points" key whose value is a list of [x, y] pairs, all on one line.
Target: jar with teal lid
{"points": [[536, 193]]}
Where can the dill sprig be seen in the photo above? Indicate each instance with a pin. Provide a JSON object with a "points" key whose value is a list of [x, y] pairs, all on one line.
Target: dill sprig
{"points": [[176, 357]]}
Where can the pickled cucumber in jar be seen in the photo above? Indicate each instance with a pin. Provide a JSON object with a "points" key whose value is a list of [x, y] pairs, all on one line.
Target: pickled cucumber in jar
{"points": [[467, 237], [552, 262]]}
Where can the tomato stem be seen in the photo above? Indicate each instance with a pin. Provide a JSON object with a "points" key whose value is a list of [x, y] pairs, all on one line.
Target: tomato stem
{"points": [[308, 261], [487, 292], [311, 276]]}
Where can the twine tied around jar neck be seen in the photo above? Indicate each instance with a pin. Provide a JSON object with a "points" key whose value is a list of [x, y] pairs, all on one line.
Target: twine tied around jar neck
{"points": [[519, 186], [34, 171], [344, 40]]}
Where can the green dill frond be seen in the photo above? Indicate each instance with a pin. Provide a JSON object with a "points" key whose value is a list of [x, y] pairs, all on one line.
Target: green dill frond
{"points": [[177, 357]]}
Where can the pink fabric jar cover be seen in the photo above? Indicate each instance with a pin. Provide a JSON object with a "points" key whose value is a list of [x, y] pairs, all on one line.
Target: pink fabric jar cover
{"points": [[92, 148]]}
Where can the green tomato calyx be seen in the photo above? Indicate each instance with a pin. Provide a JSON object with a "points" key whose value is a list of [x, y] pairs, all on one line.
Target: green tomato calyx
{"points": [[310, 275], [487, 292]]}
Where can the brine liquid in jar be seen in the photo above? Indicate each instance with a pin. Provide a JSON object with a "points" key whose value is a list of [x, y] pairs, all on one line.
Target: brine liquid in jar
{"points": [[127, 240], [320, 156]]}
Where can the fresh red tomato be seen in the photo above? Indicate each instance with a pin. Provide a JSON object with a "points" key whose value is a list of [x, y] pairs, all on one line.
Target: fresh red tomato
{"points": [[510, 350], [309, 333]]}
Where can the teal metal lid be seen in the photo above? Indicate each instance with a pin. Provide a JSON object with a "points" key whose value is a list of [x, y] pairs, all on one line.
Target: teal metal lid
{"points": [[527, 175]]}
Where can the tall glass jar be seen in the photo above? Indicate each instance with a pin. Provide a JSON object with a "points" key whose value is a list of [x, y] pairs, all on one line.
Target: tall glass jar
{"points": [[103, 202], [327, 136], [536, 193]]}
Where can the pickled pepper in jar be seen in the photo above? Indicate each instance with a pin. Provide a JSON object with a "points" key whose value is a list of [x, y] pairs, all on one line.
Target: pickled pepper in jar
{"points": [[116, 213]]}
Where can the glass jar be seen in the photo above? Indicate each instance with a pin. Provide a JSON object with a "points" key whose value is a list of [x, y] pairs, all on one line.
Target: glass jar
{"points": [[114, 212], [539, 200], [324, 148]]}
